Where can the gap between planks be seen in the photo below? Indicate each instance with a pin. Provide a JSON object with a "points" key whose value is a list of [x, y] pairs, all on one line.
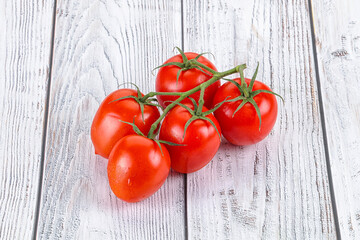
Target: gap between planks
{"points": [[185, 175], [45, 127], [322, 119]]}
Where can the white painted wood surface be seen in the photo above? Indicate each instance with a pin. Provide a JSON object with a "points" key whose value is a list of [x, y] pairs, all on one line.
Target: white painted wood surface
{"points": [[25, 37], [98, 46], [279, 187], [337, 29]]}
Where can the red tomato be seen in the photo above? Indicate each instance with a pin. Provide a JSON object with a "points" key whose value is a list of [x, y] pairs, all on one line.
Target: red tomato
{"points": [[166, 80], [243, 128], [137, 168], [201, 140], [106, 128]]}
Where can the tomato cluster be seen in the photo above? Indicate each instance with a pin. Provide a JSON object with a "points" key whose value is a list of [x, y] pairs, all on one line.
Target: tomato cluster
{"points": [[196, 110]]}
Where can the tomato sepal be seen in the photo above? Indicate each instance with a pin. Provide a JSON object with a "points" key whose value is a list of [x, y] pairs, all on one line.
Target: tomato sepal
{"points": [[139, 99], [135, 128], [199, 115], [251, 84], [254, 93], [188, 64], [247, 94]]}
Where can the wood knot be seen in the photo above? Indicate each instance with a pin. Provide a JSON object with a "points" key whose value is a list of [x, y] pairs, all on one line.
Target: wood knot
{"points": [[340, 53]]}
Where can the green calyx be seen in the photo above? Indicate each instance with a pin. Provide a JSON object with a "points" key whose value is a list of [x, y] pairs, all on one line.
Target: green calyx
{"points": [[135, 128], [182, 95], [247, 94], [197, 113], [157, 141], [189, 64], [140, 100]]}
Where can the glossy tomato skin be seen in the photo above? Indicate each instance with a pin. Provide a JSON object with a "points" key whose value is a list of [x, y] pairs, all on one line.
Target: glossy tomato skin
{"points": [[243, 128], [137, 168], [106, 128], [166, 80], [201, 140]]}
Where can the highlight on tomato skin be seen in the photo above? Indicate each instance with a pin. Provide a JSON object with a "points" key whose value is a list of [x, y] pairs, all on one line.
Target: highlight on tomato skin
{"points": [[200, 143], [137, 168], [188, 79], [106, 129], [243, 127]]}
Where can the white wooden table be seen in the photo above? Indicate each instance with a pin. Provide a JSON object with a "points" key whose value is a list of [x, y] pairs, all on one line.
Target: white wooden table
{"points": [[59, 59]]}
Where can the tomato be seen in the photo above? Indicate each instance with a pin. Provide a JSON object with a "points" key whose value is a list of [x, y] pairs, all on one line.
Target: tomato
{"points": [[243, 128], [200, 143], [106, 128], [137, 168], [188, 79]]}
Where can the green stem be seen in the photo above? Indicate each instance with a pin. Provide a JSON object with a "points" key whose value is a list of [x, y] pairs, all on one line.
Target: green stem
{"points": [[216, 77], [201, 102], [243, 83], [203, 66], [152, 94]]}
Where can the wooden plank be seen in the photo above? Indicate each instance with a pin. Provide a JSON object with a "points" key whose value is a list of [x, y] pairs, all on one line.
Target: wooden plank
{"points": [[279, 187], [25, 43], [98, 46], [337, 31]]}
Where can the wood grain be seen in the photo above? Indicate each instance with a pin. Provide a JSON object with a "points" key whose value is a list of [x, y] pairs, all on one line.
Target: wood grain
{"points": [[337, 31], [98, 46], [24, 67], [277, 189]]}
